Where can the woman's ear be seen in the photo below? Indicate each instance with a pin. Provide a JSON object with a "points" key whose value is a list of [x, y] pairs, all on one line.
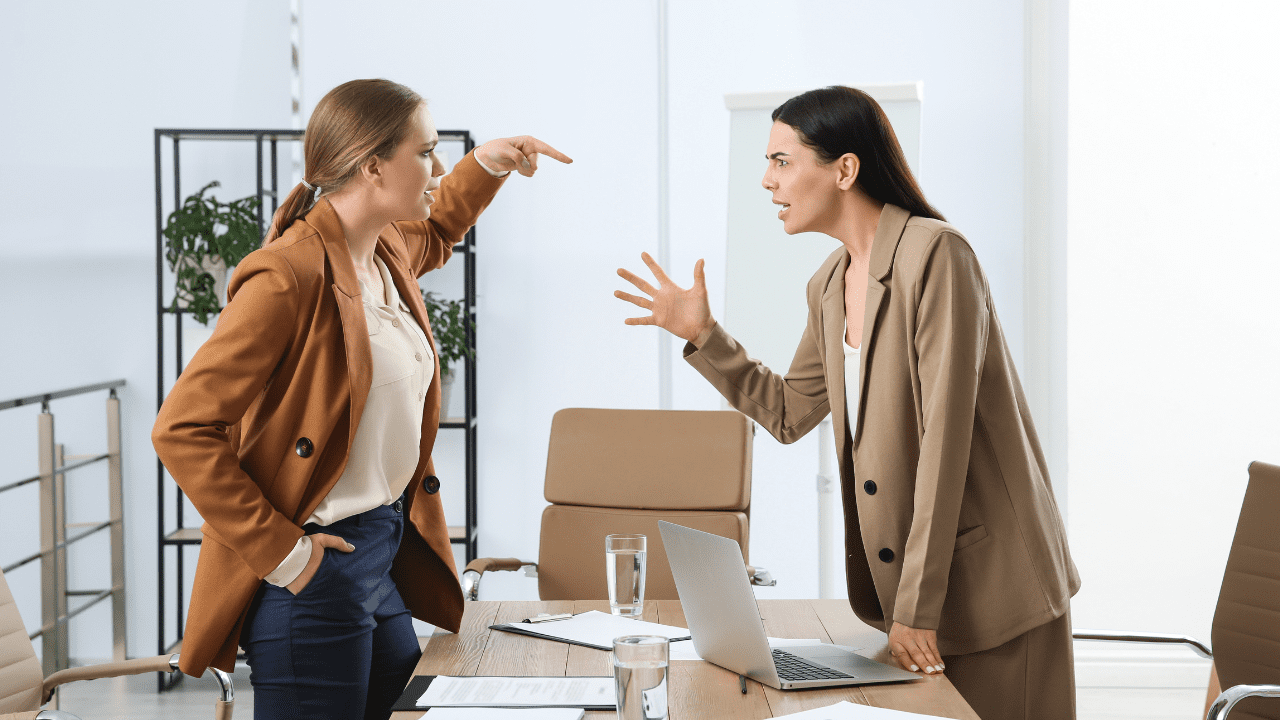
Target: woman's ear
{"points": [[371, 170], [847, 167]]}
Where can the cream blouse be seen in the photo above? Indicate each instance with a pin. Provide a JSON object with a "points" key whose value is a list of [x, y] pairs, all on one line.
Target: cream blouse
{"points": [[852, 369], [385, 451]]}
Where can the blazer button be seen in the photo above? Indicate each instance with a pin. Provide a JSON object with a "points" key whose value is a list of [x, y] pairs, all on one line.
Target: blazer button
{"points": [[304, 447], [870, 487], [886, 555], [432, 483]]}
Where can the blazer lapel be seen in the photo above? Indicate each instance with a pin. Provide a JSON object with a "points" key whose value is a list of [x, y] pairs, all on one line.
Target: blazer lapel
{"points": [[346, 292], [893, 220], [833, 323]]}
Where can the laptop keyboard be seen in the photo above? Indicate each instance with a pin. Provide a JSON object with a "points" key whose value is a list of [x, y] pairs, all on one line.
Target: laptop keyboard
{"points": [[794, 669]]}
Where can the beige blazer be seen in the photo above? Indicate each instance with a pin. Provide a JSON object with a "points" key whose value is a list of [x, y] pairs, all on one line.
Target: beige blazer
{"points": [[950, 521]]}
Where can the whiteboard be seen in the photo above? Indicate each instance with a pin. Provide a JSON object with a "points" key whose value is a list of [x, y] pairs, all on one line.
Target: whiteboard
{"points": [[766, 270]]}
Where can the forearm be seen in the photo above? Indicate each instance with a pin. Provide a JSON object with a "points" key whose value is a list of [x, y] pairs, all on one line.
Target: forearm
{"points": [[463, 195], [788, 407]]}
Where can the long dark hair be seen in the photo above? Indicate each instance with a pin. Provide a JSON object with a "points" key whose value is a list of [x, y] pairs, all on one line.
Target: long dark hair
{"points": [[836, 120], [352, 123]]}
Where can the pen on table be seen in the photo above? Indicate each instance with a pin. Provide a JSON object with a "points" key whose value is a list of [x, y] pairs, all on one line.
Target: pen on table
{"points": [[547, 618], [742, 683]]}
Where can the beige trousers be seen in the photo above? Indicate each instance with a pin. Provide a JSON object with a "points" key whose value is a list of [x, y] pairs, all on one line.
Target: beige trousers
{"points": [[1031, 677]]}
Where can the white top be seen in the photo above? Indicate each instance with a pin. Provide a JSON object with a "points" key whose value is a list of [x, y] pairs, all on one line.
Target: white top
{"points": [[385, 451], [852, 369]]}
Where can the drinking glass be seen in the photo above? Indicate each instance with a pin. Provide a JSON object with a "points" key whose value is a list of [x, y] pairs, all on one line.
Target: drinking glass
{"points": [[640, 676], [624, 558]]}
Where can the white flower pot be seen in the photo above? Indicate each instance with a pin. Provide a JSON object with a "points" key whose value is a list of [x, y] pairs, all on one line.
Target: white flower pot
{"points": [[447, 376], [216, 267]]}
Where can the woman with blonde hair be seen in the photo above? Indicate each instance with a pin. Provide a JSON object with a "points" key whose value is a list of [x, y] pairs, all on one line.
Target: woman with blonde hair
{"points": [[302, 430]]}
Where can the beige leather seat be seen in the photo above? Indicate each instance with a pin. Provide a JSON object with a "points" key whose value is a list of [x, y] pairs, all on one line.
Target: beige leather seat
{"points": [[23, 689], [1246, 624], [621, 471]]}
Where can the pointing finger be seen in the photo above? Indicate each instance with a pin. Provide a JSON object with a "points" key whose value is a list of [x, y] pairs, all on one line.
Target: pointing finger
{"points": [[540, 147]]}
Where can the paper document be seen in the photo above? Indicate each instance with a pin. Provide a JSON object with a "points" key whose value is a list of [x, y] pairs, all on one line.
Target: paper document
{"points": [[595, 629], [685, 651], [572, 692], [846, 710], [454, 713]]}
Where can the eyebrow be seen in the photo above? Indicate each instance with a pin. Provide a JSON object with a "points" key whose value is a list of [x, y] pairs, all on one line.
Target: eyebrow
{"points": [[776, 155], [431, 145]]}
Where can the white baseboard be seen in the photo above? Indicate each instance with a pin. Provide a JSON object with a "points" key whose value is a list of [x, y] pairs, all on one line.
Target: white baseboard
{"points": [[1108, 665]]}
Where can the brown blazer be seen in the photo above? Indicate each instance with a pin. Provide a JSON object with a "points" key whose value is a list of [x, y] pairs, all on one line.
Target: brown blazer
{"points": [[950, 522], [258, 428]]}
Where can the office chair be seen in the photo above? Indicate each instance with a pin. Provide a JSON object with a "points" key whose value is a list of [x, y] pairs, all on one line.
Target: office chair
{"points": [[621, 471], [23, 689], [1246, 623]]}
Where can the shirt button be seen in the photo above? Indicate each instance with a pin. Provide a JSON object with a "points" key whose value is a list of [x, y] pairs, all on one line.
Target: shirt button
{"points": [[419, 396], [417, 356], [395, 323]]}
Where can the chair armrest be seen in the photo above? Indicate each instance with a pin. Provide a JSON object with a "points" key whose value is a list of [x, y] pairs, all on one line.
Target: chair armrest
{"points": [[1125, 636], [1232, 695], [760, 577], [478, 567], [159, 663]]}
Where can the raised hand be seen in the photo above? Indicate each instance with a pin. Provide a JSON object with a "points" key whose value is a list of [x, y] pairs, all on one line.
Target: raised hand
{"points": [[517, 153], [683, 313]]}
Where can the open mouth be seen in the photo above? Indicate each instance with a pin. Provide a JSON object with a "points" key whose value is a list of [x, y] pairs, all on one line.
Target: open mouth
{"points": [[430, 198]]}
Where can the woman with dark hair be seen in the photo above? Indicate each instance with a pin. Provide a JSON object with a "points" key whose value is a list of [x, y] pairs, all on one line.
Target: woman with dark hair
{"points": [[302, 430], [954, 543]]}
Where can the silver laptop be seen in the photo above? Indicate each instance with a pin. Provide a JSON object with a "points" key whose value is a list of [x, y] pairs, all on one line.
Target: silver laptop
{"points": [[724, 621]]}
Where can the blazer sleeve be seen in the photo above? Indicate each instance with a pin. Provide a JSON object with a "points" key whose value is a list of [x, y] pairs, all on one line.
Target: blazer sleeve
{"points": [[787, 406], [227, 374], [464, 193], [952, 322]]}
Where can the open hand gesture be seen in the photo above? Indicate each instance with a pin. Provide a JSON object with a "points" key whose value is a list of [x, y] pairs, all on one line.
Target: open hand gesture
{"points": [[518, 153], [684, 313]]}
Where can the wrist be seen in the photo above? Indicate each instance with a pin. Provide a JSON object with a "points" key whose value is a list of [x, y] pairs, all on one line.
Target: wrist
{"points": [[484, 166]]}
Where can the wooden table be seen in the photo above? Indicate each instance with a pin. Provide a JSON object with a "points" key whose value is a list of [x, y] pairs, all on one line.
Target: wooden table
{"points": [[696, 689]]}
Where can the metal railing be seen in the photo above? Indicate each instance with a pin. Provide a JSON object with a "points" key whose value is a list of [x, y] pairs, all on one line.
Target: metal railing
{"points": [[54, 466]]}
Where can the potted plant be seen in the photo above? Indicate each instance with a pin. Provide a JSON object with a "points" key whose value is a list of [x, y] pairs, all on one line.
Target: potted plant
{"points": [[205, 237], [449, 325]]}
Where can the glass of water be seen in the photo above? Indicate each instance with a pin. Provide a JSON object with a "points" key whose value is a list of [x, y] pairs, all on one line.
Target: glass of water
{"points": [[624, 558], [640, 676]]}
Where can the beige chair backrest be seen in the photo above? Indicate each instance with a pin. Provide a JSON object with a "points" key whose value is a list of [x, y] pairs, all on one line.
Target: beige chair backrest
{"points": [[1246, 625], [21, 676], [621, 471]]}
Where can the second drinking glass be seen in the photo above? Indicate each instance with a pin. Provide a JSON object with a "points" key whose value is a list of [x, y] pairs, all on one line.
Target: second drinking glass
{"points": [[624, 557]]}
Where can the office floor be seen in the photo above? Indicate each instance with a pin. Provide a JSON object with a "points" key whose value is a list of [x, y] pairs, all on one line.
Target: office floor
{"points": [[135, 698]]}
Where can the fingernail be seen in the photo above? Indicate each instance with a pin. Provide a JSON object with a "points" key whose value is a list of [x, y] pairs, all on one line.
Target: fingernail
{"points": [[915, 668], [350, 546], [526, 163], [941, 666], [929, 669]]}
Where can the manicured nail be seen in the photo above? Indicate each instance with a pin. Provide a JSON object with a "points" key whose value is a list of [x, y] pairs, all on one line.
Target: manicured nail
{"points": [[915, 668], [526, 164], [941, 666], [929, 669], [350, 546]]}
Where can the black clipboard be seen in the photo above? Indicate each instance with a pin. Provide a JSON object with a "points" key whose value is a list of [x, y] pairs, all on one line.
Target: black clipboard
{"points": [[418, 685], [522, 631]]}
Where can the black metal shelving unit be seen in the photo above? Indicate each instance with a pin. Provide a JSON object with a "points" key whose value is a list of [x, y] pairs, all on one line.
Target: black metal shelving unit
{"points": [[180, 536]]}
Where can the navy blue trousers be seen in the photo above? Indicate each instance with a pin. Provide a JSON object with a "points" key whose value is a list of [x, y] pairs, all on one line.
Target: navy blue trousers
{"points": [[343, 648]]}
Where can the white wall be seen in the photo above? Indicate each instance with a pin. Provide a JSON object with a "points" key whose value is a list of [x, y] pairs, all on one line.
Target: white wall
{"points": [[1172, 298], [585, 78], [84, 86], [580, 75]]}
